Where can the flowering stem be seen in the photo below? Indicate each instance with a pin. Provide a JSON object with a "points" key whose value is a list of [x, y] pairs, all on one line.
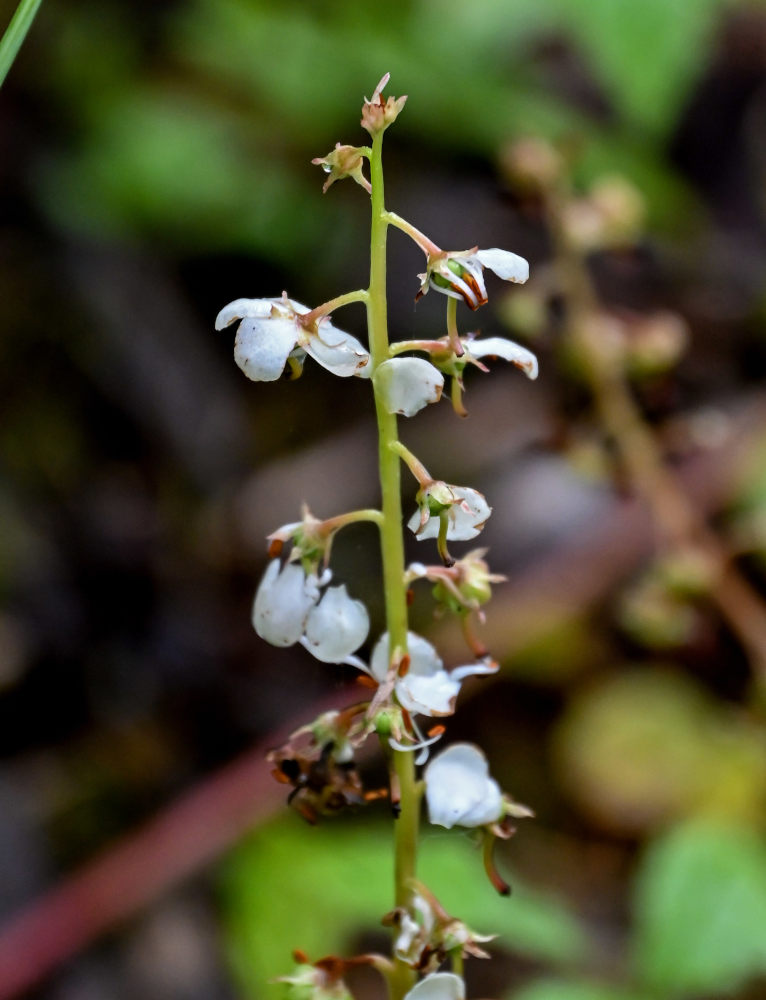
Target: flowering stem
{"points": [[427, 246], [331, 524], [392, 549], [416, 467], [454, 336], [359, 295], [428, 346]]}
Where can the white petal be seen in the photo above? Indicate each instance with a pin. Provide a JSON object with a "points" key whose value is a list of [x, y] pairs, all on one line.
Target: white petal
{"points": [[336, 626], [438, 986], [338, 352], [509, 350], [282, 603], [407, 385], [506, 265], [465, 518], [428, 695], [424, 660], [240, 308], [262, 345], [482, 668], [459, 790]]}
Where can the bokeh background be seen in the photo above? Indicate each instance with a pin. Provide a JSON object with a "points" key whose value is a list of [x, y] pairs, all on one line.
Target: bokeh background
{"points": [[156, 165]]}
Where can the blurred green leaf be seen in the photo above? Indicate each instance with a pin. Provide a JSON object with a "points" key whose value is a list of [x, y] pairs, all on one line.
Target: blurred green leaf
{"points": [[646, 53], [642, 748], [558, 989], [700, 910], [290, 886]]}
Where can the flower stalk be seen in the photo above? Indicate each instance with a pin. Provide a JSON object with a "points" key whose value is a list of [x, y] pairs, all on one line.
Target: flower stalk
{"points": [[392, 551], [297, 601]]}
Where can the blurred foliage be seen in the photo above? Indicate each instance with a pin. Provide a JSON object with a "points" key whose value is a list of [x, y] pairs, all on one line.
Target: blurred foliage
{"points": [[642, 748], [209, 145], [321, 888], [700, 911]]}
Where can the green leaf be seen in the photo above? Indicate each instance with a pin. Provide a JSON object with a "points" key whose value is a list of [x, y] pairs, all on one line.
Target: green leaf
{"points": [[647, 53], [701, 910], [559, 989], [291, 886]]}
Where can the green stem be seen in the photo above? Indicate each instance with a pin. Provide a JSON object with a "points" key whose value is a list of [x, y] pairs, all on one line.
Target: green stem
{"points": [[392, 550], [331, 524], [427, 246], [359, 295], [452, 332], [15, 34], [428, 346], [416, 467]]}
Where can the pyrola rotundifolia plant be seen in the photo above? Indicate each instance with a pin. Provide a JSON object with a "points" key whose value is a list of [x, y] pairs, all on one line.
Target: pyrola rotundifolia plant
{"points": [[300, 601]]}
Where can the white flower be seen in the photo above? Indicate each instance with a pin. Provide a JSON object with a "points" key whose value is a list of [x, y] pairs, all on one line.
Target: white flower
{"points": [[459, 790], [466, 509], [269, 333], [427, 688], [282, 603], [500, 347], [336, 626], [406, 385], [438, 986], [459, 274]]}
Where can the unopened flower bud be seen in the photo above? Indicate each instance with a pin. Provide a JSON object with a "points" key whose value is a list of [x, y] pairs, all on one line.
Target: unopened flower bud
{"points": [[378, 113]]}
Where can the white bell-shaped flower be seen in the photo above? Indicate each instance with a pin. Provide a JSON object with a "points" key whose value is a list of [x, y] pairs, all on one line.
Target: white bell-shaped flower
{"points": [[438, 986], [500, 347], [427, 688], [459, 789], [466, 509], [459, 274], [336, 626], [282, 603], [269, 332], [407, 385]]}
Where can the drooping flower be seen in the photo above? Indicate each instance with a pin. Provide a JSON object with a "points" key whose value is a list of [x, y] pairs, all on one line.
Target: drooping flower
{"points": [[282, 603], [426, 688], [459, 789], [407, 385], [499, 347], [289, 607], [336, 627], [465, 509], [438, 986], [270, 332], [460, 273], [427, 934]]}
